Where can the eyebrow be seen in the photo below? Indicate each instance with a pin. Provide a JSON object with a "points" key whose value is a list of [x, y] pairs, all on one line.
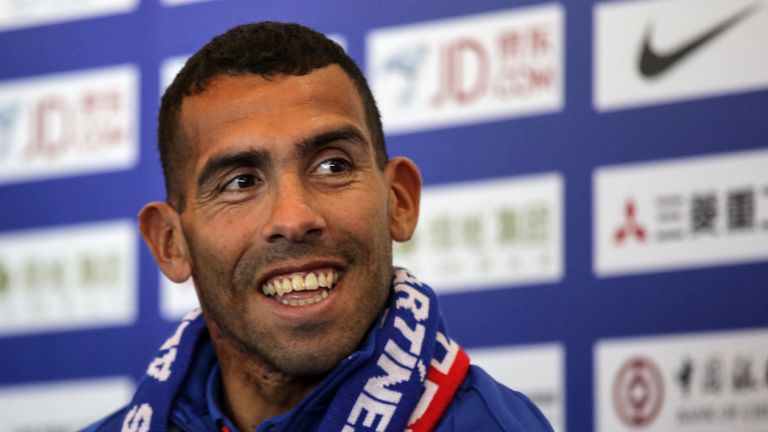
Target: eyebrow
{"points": [[219, 163], [253, 158]]}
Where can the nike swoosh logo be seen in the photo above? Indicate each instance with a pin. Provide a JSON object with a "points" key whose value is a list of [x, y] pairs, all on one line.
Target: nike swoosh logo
{"points": [[652, 64]]}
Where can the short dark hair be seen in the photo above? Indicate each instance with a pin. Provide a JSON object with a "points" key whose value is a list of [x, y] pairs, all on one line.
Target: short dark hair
{"points": [[266, 49]]}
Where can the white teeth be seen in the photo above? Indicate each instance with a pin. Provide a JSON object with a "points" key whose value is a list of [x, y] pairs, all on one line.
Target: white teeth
{"points": [[304, 302], [309, 282], [298, 283], [270, 289]]}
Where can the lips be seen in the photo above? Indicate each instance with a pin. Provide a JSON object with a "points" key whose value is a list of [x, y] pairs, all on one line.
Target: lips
{"points": [[301, 288]]}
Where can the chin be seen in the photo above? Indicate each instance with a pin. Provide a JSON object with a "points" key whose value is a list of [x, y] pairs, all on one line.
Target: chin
{"points": [[300, 364]]}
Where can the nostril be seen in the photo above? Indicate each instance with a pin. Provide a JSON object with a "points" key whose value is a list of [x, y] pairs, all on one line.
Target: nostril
{"points": [[314, 233], [295, 236], [296, 228]]}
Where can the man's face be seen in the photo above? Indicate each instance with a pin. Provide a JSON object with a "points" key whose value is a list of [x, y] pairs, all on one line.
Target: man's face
{"points": [[283, 193]]}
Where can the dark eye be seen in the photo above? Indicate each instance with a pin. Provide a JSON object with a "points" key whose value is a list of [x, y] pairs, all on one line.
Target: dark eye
{"points": [[242, 181], [333, 166]]}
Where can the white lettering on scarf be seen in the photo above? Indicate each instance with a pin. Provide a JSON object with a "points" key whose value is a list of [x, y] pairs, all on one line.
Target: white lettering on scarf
{"points": [[415, 301], [160, 367], [397, 363], [443, 366], [451, 350], [138, 419]]}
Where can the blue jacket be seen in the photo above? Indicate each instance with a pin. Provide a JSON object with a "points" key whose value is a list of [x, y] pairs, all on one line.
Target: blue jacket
{"points": [[480, 403]]}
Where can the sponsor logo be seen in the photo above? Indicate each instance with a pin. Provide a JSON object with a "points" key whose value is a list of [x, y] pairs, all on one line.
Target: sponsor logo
{"points": [[505, 232], [68, 277], [535, 370], [706, 382], [653, 51], [61, 405], [683, 213], [630, 227], [638, 392], [653, 64], [470, 69], [27, 13], [68, 124]]}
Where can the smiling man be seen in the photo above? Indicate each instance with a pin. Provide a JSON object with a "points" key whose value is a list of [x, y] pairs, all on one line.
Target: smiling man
{"points": [[282, 206]]}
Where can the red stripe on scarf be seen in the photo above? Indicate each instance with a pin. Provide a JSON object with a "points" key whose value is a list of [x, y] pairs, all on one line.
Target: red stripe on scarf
{"points": [[447, 384]]}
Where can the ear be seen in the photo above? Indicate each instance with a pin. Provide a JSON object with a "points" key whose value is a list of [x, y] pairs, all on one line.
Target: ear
{"points": [[405, 191], [160, 225]]}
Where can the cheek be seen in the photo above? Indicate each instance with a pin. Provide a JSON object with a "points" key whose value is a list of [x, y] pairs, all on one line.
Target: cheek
{"points": [[229, 232], [364, 218], [215, 248]]}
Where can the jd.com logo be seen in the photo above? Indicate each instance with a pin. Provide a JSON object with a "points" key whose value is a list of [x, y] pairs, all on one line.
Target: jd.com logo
{"points": [[468, 69], [68, 124]]}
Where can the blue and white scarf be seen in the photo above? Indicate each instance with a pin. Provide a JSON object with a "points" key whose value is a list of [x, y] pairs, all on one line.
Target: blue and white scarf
{"points": [[407, 384]]}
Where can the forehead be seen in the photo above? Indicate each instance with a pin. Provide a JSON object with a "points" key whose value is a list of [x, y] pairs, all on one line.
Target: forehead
{"points": [[251, 110]]}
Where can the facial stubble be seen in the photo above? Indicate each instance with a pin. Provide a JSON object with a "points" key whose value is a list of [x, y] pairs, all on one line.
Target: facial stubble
{"points": [[308, 347]]}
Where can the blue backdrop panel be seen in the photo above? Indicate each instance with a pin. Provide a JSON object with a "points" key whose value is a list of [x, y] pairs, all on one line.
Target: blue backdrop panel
{"points": [[572, 139]]}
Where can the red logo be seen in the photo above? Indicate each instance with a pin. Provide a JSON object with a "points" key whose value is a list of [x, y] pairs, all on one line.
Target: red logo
{"points": [[630, 227], [510, 68], [638, 392], [90, 123]]}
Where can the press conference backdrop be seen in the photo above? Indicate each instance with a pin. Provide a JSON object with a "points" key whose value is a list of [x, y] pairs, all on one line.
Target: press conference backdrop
{"points": [[595, 212]]}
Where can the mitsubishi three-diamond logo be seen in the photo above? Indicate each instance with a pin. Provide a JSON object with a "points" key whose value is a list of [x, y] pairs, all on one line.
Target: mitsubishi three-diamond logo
{"points": [[630, 227]]}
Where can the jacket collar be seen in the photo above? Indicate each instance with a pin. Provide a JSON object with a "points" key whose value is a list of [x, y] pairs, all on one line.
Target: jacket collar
{"points": [[198, 405]]}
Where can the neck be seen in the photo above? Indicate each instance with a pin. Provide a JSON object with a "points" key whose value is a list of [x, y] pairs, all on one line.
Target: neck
{"points": [[253, 390]]}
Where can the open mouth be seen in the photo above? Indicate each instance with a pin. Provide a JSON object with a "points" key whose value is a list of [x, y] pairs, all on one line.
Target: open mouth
{"points": [[301, 288]]}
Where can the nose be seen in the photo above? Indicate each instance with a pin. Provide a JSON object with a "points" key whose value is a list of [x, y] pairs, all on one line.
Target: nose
{"points": [[294, 214]]}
